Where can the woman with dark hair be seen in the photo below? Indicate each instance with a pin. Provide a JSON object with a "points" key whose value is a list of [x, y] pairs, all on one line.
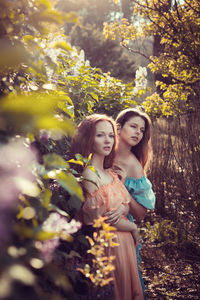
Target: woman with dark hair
{"points": [[133, 155], [131, 162], [96, 134]]}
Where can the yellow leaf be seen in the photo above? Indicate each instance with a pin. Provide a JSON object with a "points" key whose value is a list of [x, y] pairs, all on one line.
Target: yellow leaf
{"points": [[90, 241], [69, 182], [63, 45], [45, 235]]}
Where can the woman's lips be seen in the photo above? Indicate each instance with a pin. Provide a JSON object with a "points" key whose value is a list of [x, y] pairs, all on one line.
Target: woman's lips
{"points": [[134, 138], [107, 148]]}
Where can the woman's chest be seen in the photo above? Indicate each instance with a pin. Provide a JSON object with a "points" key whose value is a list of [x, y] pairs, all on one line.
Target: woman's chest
{"points": [[104, 178]]}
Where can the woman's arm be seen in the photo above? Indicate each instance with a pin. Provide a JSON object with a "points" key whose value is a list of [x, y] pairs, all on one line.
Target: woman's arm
{"points": [[113, 216], [137, 210], [126, 225]]}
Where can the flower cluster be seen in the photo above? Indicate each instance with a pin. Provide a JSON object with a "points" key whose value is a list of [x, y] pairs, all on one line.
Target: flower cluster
{"points": [[59, 224], [100, 273], [54, 50], [60, 229], [140, 80]]}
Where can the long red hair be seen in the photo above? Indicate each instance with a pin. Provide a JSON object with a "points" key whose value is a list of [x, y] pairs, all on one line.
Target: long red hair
{"points": [[83, 140]]}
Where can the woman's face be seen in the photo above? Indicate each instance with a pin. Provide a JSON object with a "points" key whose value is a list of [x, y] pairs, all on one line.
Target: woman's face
{"points": [[104, 138], [133, 130]]}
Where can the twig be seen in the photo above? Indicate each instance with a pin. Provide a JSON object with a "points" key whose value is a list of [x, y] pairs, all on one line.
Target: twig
{"points": [[137, 52]]}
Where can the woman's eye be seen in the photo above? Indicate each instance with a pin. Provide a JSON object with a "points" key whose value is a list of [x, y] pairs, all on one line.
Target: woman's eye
{"points": [[99, 135], [111, 136]]}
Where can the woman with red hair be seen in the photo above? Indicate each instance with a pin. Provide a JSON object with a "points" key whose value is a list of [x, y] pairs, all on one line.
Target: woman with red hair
{"points": [[104, 192]]}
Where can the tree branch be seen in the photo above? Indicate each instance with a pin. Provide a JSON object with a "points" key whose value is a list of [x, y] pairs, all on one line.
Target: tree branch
{"points": [[137, 52]]}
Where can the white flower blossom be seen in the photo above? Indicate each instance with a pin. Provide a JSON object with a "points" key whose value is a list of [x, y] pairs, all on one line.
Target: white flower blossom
{"points": [[140, 80], [60, 224]]}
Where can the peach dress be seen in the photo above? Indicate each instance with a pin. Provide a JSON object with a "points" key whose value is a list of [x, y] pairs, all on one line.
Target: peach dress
{"points": [[110, 197]]}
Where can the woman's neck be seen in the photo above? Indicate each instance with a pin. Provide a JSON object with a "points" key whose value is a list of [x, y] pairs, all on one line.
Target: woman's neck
{"points": [[98, 162], [123, 150]]}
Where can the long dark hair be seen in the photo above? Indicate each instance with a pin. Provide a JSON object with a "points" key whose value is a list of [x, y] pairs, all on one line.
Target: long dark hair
{"points": [[143, 150], [83, 139]]}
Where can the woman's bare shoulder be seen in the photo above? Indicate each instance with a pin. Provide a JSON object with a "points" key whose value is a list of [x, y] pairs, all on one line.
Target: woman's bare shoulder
{"points": [[129, 167], [134, 167], [90, 181]]}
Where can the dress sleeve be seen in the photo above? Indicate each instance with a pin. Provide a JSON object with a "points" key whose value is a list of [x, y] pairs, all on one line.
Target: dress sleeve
{"points": [[141, 190], [95, 205]]}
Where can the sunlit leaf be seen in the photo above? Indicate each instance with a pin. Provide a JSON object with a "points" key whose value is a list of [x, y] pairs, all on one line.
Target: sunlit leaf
{"points": [[55, 161], [69, 182], [63, 45], [69, 109], [90, 241], [78, 162], [64, 127], [95, 96], [53, 207], [32, 104], [28, 37], [46, 3], [45, 235], [46, 197]]}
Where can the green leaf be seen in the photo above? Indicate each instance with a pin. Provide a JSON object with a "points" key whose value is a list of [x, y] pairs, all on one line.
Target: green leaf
{"points": [[69, 182], [69, 109], [52, 123], [46, 197], [53, 207], [32, 104], [55, 161], [62, 45], [94, 96], [79, 157], [45, 235], [78, 162], [46, 3], [28, 38]]}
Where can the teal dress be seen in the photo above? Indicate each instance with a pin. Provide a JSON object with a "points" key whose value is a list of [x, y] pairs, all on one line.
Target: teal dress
{"points": [[141, 190]]}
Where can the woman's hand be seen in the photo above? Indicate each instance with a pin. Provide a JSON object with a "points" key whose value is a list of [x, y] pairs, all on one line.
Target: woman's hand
{"points": [[114, 216], [135, 234], [120, 172]]}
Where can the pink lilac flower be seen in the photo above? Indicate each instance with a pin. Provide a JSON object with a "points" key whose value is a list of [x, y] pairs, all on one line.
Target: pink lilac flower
{"points": [[58, 224], [47, 248]]}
